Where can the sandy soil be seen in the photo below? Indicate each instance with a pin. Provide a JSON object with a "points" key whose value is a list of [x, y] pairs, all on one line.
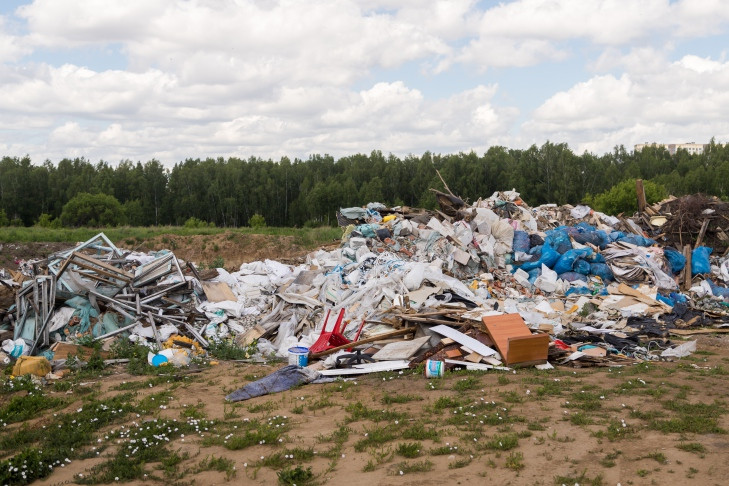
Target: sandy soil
{"points": [[538, 407]]}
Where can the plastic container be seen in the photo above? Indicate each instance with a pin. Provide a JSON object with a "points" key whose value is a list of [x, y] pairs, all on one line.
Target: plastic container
{"points": [[434, 369], [299, 356]]}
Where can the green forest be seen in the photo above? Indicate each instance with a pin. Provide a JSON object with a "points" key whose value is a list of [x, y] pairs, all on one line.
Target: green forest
{"points": [[235, 192]]}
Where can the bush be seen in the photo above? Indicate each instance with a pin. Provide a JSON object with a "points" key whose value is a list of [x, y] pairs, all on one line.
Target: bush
{"points": [[194, 222], [86, 209], [622, 197], [45, 220], [4, 221], [257, 221]]}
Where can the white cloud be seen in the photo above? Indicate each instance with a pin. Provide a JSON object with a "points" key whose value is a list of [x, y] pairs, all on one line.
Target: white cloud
{"points": [[294, 77], [686, 99]]}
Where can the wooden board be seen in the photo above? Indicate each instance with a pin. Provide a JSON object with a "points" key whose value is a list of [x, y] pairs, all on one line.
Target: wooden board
{"points": [[515, 340], [401, 349], [218, 291]]}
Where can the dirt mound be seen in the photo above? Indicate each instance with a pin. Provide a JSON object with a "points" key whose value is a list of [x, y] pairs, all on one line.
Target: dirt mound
{"points": [[227, 249]]}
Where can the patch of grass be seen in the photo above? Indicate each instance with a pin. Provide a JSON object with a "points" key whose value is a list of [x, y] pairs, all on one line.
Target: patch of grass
{"points": [[468, 383], [583, 480], [227, 349], [688, 424], [503, 380], [388, 399], [295, 476], [255, 432], [694, 447], [358, 411], [375, 436], [580, 418], [267, 406], [586, 401], [642, 472], [647, 415], [408, 449], [411, 467], [659, 457], [221, 464], [25, 407], [459, 463], [515, 461], [512, 396], [418, 431], [444, 450], [615, 430], [609, 460], [280, 460], [445, 402], [691, 472], [503, 442]]}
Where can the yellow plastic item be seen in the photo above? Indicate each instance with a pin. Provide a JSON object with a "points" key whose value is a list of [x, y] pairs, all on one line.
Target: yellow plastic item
{"points": [[387, 218], [34, 365]]}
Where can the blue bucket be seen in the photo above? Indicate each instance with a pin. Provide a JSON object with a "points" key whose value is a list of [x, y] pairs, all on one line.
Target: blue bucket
{"points": [[299, 356]]}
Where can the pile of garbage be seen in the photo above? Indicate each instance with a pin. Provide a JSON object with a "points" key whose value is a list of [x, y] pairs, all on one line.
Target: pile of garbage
{"points": [[492, 284]]}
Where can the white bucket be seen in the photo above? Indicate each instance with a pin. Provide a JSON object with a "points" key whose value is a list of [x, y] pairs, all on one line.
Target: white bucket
{"points": [[434, 369], [299, 356]]}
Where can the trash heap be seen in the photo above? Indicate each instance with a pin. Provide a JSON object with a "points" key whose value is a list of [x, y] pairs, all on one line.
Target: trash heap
{"points": [[486, 285]]}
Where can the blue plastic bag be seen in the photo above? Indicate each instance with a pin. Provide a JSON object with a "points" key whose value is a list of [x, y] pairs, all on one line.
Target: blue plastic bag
{"points": [[578, 291], [533, 274], [559, 240], [637, 240], [581, 266], [548, 257], [521, 241], [602, 270], [718, 291], [567, 260], [700, 260], [675, 259], [573, 276]]}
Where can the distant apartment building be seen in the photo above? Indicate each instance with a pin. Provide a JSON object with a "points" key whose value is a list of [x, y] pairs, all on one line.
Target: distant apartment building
{"points": [[690, 147]]}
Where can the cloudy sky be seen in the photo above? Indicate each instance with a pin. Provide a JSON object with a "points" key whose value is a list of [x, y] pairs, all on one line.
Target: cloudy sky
{"points": [[173, 79]]}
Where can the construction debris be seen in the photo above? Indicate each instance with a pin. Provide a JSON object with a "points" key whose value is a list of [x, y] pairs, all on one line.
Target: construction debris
{"points": [[482, 286]]}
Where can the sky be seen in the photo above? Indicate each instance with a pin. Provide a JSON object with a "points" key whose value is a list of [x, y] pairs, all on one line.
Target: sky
{"points": [[172, 79]]}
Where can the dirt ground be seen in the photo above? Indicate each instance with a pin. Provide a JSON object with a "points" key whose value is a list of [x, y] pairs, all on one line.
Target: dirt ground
{"points": [[230, 248], [654, 423]]}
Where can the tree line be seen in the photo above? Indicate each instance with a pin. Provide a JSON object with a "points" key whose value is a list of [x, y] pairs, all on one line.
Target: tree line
{"points": [[229, 192]]}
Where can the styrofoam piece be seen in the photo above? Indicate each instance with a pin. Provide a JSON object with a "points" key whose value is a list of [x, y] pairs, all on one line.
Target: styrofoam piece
{"points": [[476, 366], [368, 368], [461, 338]]}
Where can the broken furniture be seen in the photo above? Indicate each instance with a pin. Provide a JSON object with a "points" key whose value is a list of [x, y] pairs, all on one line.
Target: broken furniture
{"points": [[515, 341]]}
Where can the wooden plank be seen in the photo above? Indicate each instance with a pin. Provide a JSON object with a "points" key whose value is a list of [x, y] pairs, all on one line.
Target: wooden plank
{"points": [[640, 193], [218, 291], [702, 232], [401, 349], [687, 278], [691, 332]]}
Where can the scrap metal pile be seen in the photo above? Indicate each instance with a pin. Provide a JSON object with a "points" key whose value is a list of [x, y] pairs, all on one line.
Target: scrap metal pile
{"points": [[487, 284]]}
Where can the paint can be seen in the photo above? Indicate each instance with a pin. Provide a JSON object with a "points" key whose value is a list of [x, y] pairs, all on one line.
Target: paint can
{"points": [[434, 369], [299, 356]]}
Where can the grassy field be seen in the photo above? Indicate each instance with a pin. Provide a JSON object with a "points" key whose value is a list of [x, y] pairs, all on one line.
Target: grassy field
{"points": [[652, 423]]}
